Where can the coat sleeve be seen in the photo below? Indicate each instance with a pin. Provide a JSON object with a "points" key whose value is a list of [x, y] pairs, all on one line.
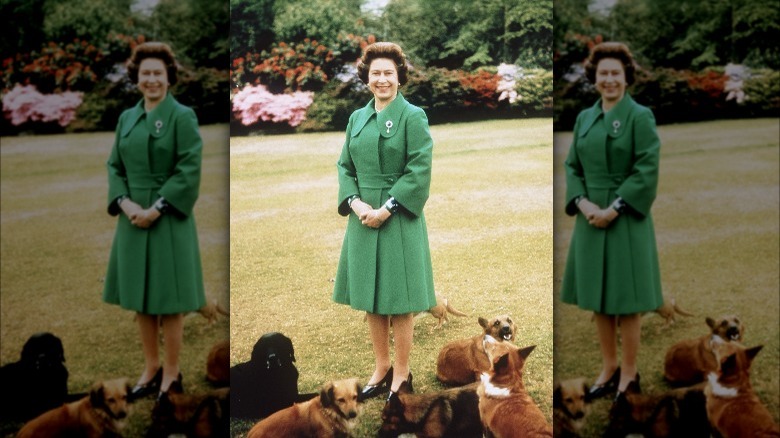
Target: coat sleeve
{"points": [[117, 176], [346, 174], [575, 177], [639, 188], [413, 186], [182, 187]]}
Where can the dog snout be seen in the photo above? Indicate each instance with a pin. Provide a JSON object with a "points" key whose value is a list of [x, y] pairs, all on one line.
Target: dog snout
{"points": [[352, 414], [578, 415]]}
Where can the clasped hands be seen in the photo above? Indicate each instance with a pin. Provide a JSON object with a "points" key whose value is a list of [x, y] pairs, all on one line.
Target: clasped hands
{"points": [[140, 217], [370, 217], [597, 217]]}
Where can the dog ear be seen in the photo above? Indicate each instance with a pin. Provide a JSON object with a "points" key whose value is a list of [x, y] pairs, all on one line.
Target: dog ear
{"points": [[558, 396], [483, 322], [526, 351], [97, 394], [710, 322], [728, 366], [404, 388], [501, 363], [752, 352], [358, 388], [586, 391], [327, 395]]}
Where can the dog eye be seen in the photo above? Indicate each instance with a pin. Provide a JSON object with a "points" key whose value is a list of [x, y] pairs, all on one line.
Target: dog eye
{"points": [[497, 323]]}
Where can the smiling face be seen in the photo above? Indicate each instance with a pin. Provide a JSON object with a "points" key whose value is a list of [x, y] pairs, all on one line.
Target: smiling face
{"points": [[152, 81], [610, 81], [383, 81]]}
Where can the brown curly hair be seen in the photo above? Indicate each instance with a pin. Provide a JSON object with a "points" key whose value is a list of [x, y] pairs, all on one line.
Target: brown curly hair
{"points": [[384, 50], [614, 50], [154, 50]]}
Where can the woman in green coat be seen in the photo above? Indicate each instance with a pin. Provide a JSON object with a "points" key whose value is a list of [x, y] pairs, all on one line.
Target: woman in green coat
{"points": [[384, 178], [153, 181], [611, 180]]}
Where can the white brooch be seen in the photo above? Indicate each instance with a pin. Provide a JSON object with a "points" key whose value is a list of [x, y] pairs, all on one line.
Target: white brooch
{"points": [[388, 125], [158, 124], [615, 126]]}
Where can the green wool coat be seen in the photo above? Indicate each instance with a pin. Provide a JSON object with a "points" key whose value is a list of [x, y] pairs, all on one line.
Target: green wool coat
{"points": [[614, 270], [386, 270], [156, 270]]}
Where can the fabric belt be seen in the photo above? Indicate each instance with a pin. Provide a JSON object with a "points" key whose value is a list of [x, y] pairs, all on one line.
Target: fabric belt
{"points": [[377, 180], [604, 180], [146, 180]]}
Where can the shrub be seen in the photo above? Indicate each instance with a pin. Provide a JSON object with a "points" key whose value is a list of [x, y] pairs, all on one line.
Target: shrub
{"points": [[332, 107], [255, 103], [762, 93], [534, 91], [25, 104]]}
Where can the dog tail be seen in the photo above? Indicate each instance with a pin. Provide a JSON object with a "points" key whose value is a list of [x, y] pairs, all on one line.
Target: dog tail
{"points": [[678, 310], [451, 309]]}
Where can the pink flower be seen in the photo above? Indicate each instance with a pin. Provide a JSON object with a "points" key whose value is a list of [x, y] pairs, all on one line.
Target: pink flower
{"points": [[25, 103], [255, 103]]}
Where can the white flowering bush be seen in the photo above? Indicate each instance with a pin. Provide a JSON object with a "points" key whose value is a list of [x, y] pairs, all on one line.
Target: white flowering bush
{"points": [[255, 103], [26, 104]]}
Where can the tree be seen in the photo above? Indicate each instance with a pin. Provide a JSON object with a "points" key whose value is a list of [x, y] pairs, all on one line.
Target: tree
{"points": [[251, 26], [318, 20], [197, 30], [92, 20], [694, 34], [466, 34], [27, 32]]}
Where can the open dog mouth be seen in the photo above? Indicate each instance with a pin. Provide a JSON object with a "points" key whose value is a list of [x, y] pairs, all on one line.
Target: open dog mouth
{"points": [[733, 334], [507, 336]]}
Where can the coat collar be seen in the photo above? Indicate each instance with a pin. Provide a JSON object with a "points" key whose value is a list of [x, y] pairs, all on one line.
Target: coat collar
{"points": [[157, 120], [388, 120], [615, 119]]}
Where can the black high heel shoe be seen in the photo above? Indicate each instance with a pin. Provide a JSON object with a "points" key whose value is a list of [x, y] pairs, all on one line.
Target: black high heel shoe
{"points": [[141, 390], [606, 388], [377, 389]]}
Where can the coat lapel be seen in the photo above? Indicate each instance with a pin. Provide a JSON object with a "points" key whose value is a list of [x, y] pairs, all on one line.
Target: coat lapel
{"points": [[135, 114], [158, 120], [363, 116], [616, 119], [389, 119]]}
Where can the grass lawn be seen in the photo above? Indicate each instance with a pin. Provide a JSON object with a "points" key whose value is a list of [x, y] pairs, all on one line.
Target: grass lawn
{"points": [[717, 221], [490, 226], [56, 237]]}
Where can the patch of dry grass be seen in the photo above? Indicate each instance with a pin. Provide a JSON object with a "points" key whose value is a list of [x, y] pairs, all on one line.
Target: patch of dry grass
{"points": [[717, 224], [56, 237], [490, 227]]}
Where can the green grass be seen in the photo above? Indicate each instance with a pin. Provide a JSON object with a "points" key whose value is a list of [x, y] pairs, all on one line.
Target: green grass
{"points": [[490, 226], [56, 237], [716, 218]]}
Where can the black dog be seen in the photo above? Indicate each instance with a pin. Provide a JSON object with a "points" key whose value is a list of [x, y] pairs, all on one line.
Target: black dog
{"points": [[268, 382], [676, 413], [36, 383]]}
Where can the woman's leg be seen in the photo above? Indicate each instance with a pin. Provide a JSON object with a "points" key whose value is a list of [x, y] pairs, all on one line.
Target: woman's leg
{"points": [[173, 335], [379, 332], [607, 333], [148, 328], [630, 330], [403, 332]]}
